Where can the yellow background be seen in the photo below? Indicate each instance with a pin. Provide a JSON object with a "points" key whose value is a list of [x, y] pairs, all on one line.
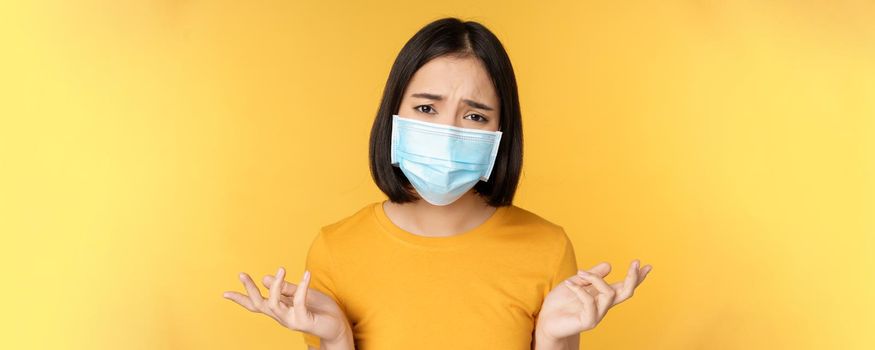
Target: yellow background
{"points": [[151, 150]]}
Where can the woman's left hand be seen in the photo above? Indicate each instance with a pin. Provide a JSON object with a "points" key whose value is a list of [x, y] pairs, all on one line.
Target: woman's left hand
{"points": [[581, 301]]}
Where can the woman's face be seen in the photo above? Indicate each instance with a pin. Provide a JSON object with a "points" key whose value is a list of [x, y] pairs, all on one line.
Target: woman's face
{"points": [[453, 91]]}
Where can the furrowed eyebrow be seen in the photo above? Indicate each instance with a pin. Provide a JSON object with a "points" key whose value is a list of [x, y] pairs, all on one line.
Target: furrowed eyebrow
{"points": [[476, 104], [428, 96], [471, 103]]}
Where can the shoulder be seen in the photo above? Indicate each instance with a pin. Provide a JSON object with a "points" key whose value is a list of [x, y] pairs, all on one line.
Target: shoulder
{"points": [[351, 221], [538, 232], [349, 228], [517, 216], [547, 240]]}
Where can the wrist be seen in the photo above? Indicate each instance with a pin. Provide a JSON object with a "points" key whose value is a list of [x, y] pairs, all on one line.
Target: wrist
{"points": [[343, 341], [543, 341]]}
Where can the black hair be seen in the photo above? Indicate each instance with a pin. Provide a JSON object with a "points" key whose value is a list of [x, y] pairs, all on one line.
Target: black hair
{"points": [[451, 36]]}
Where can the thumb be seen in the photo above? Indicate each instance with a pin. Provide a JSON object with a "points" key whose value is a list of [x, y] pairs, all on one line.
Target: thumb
{"points": [[302, 316]]}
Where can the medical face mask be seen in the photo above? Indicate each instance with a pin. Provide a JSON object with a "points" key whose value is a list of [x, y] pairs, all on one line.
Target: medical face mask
{"points": [[441, 161]]}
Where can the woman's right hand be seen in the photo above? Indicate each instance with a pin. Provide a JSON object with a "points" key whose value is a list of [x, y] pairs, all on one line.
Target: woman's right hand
{"points": [[296, 307]]}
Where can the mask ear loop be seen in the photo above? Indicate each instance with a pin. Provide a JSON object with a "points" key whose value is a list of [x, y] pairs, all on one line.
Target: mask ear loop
{"points": [[493, 156]]}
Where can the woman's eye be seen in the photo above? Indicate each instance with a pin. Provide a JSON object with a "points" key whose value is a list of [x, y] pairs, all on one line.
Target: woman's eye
{"points": [[427, 108], [477, 118]]}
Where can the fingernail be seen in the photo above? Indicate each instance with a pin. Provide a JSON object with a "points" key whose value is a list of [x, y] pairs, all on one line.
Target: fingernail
{"points": [[279, 271], [242, 275], [307, 274]]}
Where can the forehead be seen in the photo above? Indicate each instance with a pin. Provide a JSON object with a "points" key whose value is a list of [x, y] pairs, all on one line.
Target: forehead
{"points": [[465, 77]]}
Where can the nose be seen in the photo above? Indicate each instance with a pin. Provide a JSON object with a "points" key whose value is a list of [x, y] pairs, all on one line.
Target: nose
{"points": [[449, 117]]}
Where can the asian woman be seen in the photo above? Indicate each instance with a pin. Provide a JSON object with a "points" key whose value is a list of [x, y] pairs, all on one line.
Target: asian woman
{"points": [[447, 261]]}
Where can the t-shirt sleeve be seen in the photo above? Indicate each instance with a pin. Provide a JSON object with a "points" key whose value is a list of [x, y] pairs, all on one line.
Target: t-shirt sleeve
{"points": [[564, 268], [567, 266], [322, 277]]}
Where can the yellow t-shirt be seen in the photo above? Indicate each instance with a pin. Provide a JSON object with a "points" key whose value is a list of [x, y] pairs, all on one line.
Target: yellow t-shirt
{"points": [[480, 289]]}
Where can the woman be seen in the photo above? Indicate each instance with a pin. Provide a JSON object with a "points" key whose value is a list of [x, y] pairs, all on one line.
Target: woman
{"points": [[447, 261]]}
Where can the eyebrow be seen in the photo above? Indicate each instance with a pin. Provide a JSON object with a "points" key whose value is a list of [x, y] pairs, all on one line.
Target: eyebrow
{"points": [[471, 103]]}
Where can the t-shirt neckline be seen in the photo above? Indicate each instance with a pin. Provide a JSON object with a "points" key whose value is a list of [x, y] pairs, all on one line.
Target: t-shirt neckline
{"points": [[457, 240]]}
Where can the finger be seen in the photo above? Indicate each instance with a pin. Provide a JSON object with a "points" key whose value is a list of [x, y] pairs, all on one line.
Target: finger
{"points": [[629, 284], [644, 271], [274, 292], [642, 274], [586, 285], [602, 269], [605, 299], [287, 290], [589, 308], [315, 301], [300, 306], [598, 283], [240, 299], [252, 291]]}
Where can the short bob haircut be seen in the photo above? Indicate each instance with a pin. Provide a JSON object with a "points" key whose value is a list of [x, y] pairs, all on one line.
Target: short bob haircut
{"points": [[444, 37]]}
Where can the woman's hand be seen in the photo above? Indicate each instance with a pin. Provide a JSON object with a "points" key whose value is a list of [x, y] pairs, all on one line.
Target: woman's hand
{"points": [[295, 307], [580, 302]]}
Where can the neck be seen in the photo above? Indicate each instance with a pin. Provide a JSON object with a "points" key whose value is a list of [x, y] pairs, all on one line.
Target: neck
{"points": [[423, 218]]}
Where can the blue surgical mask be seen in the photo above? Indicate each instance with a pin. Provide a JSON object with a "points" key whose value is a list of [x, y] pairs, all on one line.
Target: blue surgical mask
{"points": [[441, 161]]}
